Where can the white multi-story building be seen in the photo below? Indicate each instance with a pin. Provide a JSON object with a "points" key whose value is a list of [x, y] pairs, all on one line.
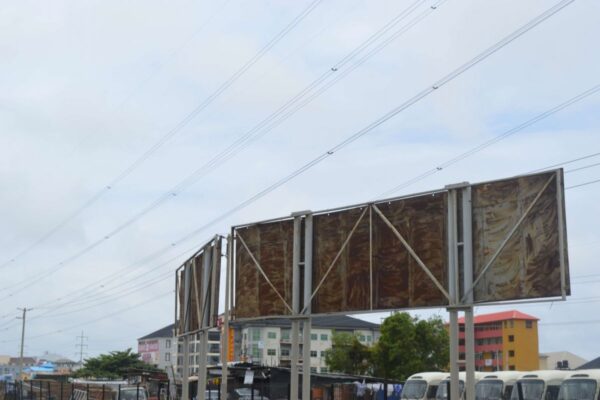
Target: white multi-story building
{"points": [[163, 350], [268, 342], [158, 348]]}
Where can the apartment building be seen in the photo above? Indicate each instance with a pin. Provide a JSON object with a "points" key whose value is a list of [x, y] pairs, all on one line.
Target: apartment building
{"points": [[268, 342], [504, 341]]}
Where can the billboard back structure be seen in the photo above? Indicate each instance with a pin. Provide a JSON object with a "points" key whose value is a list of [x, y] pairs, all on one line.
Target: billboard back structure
{"points": [[394, 254], [197, 290]]}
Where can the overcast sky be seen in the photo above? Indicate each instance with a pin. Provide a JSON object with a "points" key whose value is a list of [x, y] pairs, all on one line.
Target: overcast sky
{"points": [[87, 88]]}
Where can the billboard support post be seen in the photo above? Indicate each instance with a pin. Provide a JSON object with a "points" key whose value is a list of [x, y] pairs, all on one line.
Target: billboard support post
{"points": [[467, 266], [308, 252], [295, 309], [225, 330], [454, 292], [185, 394]]}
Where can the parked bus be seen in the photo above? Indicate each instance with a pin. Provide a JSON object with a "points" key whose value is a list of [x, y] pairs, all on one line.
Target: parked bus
{"points": [[581, 385], [496, 385], [422, 386], [442, 390], [538, 385]]}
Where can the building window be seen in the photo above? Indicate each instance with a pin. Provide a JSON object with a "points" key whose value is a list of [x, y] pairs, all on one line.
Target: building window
{"points": [[511, 353], [313, 369], [313, 353], [285, 352], [461, 342], [528, 324], [324, 370], [324, 336], [369, 338], [272, 335], [285, 334], [511, 367], [168, 343], [511, 324], [255, 334], [167, 356], [214, 336], [511, 338], [255, 351], [323, 353], [313, 336], [361, 338], [271, 352]]}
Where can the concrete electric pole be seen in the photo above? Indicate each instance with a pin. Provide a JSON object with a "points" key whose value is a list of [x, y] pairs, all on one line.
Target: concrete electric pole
{"points": [[22, 340]]}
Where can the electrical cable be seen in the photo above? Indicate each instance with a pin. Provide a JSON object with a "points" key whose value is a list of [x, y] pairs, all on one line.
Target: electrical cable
{"points": [[594, 89], [457, 72], [233, 148], [171, 133]]}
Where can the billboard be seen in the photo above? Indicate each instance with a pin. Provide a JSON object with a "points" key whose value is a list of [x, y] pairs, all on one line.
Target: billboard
{"points": [[394, 254], [197, 289], [520, 222]]}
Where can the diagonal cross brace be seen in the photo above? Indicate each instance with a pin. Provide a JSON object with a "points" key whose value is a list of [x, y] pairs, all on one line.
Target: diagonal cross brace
{"points": [[507, 238], [257, 264], [339, 253], [412, 252]]}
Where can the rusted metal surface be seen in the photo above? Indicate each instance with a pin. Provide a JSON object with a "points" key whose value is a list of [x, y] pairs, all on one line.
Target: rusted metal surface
{"points": [[194, 308], [398, 281], [346, 288], [529, 265], [271, 245]]}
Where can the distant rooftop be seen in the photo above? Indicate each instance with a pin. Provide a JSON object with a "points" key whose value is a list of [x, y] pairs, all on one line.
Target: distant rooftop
{"points": [[326, 321], [166, 332], [594, 364], [500, 316]]}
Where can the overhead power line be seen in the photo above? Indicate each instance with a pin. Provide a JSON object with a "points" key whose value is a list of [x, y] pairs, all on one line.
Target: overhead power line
{"points": [[171, 133], [241, 142], [384, 118], [440, 167]]}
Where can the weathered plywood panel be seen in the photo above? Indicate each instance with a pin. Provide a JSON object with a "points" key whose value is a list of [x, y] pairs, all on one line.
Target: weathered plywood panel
{"points": [[195, 266], [399, 282], [346, 288], [272, 245], [529, 265]]}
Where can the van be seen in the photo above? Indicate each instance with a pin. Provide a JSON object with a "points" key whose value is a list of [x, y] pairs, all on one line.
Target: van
{"points": [[442, 390], [538, 385], [422, 386], [581, 385], [496, 385]]}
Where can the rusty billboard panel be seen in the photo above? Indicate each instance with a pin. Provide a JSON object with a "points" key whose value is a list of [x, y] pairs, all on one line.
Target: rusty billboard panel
{"points": [[531, 262], [374, 270], [197, 289], [394, 254], [271, 244]]}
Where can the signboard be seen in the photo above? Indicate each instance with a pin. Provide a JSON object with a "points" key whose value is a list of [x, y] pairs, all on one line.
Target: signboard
{"points": [[197, 298], [393, 254], [520, 221]]}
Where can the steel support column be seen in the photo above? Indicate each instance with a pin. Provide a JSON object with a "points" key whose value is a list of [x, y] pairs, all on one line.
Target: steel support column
{"points": [[185, 394], [296, 308], [467, 263], [308, 246], [225, 332], [453, 291]]}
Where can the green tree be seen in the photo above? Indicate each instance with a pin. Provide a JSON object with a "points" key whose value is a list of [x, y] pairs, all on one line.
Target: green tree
{"points": [[113, 365], [408, 345], [348, 354]]}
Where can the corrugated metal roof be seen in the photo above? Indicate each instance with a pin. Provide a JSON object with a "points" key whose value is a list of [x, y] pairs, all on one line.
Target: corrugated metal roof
{"points": [[500, 316]]}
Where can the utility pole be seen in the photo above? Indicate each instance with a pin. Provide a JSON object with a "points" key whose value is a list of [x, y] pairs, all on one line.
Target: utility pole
{"points": [[22, 339], [81, 345]]}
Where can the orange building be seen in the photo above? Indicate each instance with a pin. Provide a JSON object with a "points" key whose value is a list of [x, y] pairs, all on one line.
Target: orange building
{"points": [[504, 341]]}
